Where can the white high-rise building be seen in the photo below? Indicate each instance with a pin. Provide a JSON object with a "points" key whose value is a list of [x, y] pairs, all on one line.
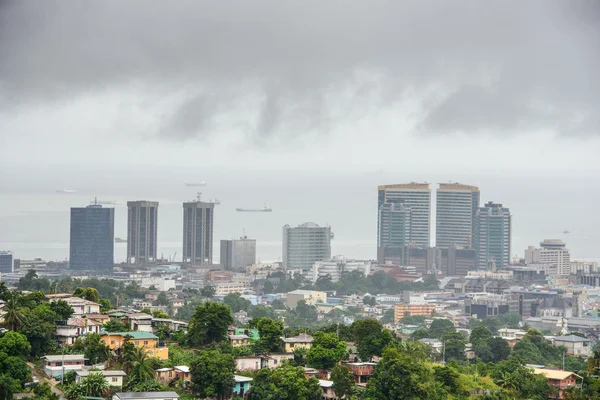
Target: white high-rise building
{"points": [[415, 196], [337, 266], [552, 252], [456, 206], [305, 244]]}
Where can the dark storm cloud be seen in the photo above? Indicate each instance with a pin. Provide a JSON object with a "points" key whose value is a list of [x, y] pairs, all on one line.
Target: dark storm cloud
{"points": [[498, 65]]}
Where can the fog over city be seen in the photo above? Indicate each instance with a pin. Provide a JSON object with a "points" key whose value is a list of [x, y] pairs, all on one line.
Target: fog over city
{"points": [[306, 106]]}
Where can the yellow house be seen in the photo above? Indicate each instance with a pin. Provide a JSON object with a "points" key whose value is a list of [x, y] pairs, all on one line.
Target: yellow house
{"points": [[239, 340], [145, 340], [311, 297], [302, 341]]}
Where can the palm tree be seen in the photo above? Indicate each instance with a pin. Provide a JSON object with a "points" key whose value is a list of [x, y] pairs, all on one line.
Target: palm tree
{"points": [[139, 366], [13, 315], [94, 385]]}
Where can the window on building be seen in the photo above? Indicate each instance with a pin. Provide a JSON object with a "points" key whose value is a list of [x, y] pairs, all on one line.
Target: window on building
{"points": [[145, 342], [114, 379]]}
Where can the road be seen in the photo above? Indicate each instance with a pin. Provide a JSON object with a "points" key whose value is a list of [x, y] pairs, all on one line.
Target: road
{"points": [[42, 378]]}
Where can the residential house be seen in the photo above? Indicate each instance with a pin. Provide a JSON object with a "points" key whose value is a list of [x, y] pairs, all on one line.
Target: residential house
{"points": [[303, 340], [254, 363], [139, 322], [73, 328], [561, 380], [327, 387], [146, 396], [242, 385], [145, 340], [576, 345], [80, 306], [239, 340], [100, 318], [113, 378], [361, 371], [435, 344], [310, 372], [168, 375], [274, 360], [177, 303], [63, 363], [172, 324], [251, 333]]}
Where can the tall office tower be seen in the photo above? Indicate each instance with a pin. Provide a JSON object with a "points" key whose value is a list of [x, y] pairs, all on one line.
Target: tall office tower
{"points": [[554, 252], [456, 206], [236, 254], [92, 238], [394, 225], [142, 231], [198, 232], [6, 262], [417, 197], [492, 236], [305, 244]]}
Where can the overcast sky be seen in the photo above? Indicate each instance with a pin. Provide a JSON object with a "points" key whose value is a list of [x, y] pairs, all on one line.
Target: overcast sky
{"points": [[359, 85]]}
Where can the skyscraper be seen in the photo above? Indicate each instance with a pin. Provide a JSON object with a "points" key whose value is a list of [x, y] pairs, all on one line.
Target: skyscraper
{"points": [[142, 231], [92, 238], [456, 206], [417, 197], [552, 252], [394, 225], [305, 244], [6, 262], [198, 232], [236, 254], [492, 236]]}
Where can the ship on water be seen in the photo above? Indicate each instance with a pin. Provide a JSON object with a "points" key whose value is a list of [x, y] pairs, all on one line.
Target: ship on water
{"points": [[264, 209]]}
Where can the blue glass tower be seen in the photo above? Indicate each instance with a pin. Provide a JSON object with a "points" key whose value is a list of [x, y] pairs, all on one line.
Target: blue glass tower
{"points": [[92, 238]]}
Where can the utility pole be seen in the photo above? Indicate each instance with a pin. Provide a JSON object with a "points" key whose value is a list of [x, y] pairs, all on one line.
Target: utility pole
{"points": [[444, 353], [563, 364]]}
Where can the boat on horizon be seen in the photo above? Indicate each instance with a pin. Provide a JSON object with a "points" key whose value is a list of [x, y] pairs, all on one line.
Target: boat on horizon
{"points": [[264, 209]]}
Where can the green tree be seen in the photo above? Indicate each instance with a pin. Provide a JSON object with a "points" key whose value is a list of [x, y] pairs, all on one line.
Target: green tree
{"points": [[326, 351], [90, 294], [94, 385], [447, 376], [343, 381], [419, 334], [62, 309], [209, 323], [8, 386], [208, 291], [454, 345], [305, 311], [262, 311], [398, 377], [115, 326], [268, 287], [499, 348], [213, 374], [480, 334], [162, 299], [278, 305], [371, 338], [105, 305], [139, 366], [43, 391], [159, 314], [94, 349], [13, 312], [39, 328], [284, 382], [439, 327], [370, 301], [236, 302], [270, 333], [15, 344]]}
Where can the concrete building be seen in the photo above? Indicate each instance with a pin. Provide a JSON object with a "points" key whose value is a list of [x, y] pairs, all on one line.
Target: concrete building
{"points": [[394, 225], [553, 252], [114, 379], [583, 267], [305, 244], [311, 297], [142, 231], [302, 341], [456, 207], [492, 239], [237, 254], [338, 265], [412, 310], [6, 262], [61, 364], [198, 219], [576, 345], [417, 197], [92, 238], [560, 380]]}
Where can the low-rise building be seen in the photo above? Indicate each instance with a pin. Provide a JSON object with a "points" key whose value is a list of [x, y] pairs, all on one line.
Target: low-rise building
{"points": [[242, 385], [145, 340], [302, 341], [167, 376], [146, 396], [80, 306], [327, 387], [421, 310], [558, 379], [73, 328], [223, 289], [99, 318], [576, 345], [63, 363], [435, 344], [311, 297], [239, 340], [114, 379], [139, 322], [361, 371]]}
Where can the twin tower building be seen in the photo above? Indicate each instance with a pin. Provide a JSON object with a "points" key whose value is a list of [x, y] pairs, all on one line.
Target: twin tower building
{"points": [[92, 234], [464, 228]]}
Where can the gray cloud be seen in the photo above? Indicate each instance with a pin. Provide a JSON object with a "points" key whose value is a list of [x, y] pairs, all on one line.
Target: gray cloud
{"points": [[302, 67]]}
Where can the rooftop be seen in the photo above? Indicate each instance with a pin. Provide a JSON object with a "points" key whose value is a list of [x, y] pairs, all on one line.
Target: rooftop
{"points": [[67, 357], [571, 339], [240, 379], [554, 373], [147, 395], [135, 335], [301, 338], [86, 372], [82, 322], [238, 337]]}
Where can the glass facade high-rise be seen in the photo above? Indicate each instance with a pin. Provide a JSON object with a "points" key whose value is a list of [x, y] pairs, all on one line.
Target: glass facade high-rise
{"points": [[417, 197], [92, 238], [6, 262], [456, 206], [198, 219], [492, 236], [394, 225], [305, 244], [142, 231]]}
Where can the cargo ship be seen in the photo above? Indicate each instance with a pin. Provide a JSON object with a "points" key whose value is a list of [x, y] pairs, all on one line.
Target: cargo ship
{"points": [[264, 209]]}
